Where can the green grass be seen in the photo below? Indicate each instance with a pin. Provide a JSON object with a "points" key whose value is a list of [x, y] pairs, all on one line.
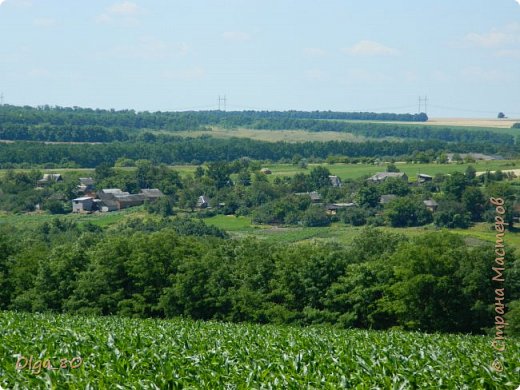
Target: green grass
{"points": [[100, 219], [353, 171], [174, 354]]}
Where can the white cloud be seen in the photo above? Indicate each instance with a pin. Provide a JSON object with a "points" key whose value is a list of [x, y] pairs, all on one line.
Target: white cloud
{"points": [[496, 38], [124, 8], [518, 1], [315, 52], [126, 12], [236, 36], [370, 48], [2, 1]]}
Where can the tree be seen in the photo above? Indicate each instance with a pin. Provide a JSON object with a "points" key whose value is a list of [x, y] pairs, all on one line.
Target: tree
{"points": [[402, 212], [392, 168], [474, 202], [501, 115]]}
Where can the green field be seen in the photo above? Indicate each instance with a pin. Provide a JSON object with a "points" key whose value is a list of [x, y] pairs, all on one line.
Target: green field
{"points": [[353, 171], [174, 354]]}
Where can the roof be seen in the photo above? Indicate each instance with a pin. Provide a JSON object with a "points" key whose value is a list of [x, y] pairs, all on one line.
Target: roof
{"points": [[87, 181], [203, 198], [51, 177], [380, 176], [113, 191], [314, 195], [425, 176], [83, 198], [430, 203], [152, 192], [335, 181]]}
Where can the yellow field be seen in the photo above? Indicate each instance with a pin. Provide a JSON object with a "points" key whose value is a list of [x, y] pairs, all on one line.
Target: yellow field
{"points": [[275, 135], [466, 122]]}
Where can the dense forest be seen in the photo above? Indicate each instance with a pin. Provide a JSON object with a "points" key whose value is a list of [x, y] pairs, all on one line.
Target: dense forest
{"points": [[176, 150], [430, 283], [55, 124]]}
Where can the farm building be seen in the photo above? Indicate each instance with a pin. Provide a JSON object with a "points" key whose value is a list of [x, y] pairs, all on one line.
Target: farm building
{"points": [[431, 205], [266, 171], [151, 194], [203, 202], [84, 204], [86, 185], [335, 181], [382, 176], [49, 178], [423, 178]]}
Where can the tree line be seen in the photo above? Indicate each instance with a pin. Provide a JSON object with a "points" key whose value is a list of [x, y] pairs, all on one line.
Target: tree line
{"points": [[432, 283]]}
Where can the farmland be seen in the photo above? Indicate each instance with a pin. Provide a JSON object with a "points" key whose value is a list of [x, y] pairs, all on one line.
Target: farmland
{"points": [[174, 354]]}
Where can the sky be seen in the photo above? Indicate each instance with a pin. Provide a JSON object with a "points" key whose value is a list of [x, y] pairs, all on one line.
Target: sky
{"points": [[339, 55]]}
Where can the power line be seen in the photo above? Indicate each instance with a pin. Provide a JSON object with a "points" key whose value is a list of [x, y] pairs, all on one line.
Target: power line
{"points": [[223, 100]]}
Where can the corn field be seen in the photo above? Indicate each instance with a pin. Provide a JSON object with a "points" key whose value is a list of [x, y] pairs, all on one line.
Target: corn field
{"points": [[123, 353]]}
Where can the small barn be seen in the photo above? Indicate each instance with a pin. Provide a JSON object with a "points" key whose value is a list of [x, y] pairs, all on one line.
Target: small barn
{"points": [[84, 204]]}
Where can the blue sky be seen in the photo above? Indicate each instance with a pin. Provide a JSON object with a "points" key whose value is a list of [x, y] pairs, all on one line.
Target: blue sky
{"points": [[285, 54]]}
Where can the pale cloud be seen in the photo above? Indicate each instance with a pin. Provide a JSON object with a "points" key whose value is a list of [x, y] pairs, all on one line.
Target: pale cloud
{"points": [[2, 1], [124, 8], [496, 38], [370, 48], [314, 52], [508, 53], [518, 1], [125, 12], [236, 36]]}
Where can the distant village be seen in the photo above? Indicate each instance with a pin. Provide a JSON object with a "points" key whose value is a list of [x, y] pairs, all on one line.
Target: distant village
{"points": [[114, 199]]}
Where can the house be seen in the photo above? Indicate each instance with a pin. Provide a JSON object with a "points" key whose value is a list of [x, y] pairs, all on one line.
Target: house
{"points": [[422, 178], [131, 200], [265, 171], [382, 176], [431, 205], [333, 208], [86, 185], [151, 194], [385, 199], [49, 178], [315, 197], [114, 199], [203, 202], [84, 204], [474, 156], [335, 181]]}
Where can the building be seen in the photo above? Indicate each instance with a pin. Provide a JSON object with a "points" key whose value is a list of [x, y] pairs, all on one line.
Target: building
{"points": [[422, 178], [333, 208], [431, 205], [114, 199], [382, 176], [474, 156], [84, 204], [151, 194], [265, 171], [203, 202], [335, 181], [86, 185], [48, 179], [315, 197]]}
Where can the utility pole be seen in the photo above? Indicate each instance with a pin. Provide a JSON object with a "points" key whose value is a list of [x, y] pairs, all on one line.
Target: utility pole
{"points": [[1, 99], [223, 101], [425, 100]]}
